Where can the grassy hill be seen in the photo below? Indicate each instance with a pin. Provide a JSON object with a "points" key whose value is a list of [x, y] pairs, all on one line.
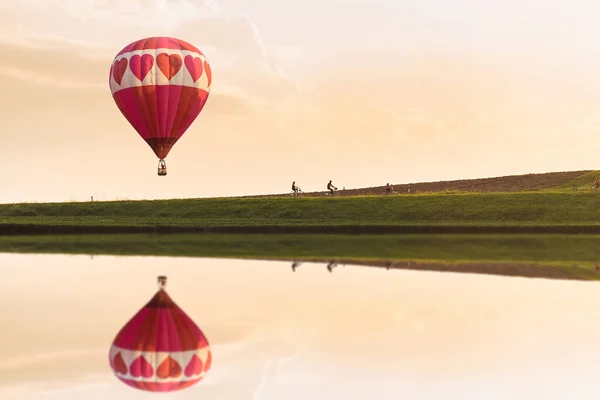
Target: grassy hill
{"points": [[550, 205], [511, 183]]}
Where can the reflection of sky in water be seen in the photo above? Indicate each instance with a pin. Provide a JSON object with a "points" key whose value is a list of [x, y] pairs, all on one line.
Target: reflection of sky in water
{"points": [[276, 334]]}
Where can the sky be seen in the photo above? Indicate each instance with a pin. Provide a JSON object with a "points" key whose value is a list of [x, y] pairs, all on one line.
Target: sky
{"points": [[362, 92], [278, 334]]}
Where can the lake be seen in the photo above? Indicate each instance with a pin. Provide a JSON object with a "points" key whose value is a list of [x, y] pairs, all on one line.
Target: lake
{"points": [[353, 332]]}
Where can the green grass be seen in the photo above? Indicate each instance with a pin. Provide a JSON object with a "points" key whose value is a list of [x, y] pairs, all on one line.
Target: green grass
{"points": [[557, 251], [584, 181], [528, 209]]}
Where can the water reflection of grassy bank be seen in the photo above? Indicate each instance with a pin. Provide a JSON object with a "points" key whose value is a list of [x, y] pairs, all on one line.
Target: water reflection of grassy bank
{"points": [[427, 247], [556, 251]]}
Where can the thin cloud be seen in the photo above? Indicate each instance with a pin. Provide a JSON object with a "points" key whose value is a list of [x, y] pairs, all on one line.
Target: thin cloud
{"points": [[41, 358], [32, 77], [232, 43]]}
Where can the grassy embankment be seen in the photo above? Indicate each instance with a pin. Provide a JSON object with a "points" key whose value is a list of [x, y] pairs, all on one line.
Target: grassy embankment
{"points": [[548, 256], [553, 208], [484, 212]]}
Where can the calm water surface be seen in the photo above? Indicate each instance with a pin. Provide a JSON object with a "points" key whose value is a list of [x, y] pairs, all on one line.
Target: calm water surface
{"points": [[352, 333]]}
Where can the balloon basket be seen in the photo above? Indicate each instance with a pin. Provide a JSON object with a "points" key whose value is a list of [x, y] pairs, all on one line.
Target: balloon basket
{"points": [[162, 168]]}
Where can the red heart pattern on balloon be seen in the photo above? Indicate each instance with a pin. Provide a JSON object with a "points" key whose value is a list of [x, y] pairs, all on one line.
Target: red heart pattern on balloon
{"points": [[169, 368], [119, 69], [141, 65], [194, 367], [169, 64], [208, 72], [194, 66], [119, 364], [208, 362], [141, 367]]}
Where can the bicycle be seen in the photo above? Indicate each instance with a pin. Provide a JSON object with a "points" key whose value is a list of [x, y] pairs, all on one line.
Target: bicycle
{"points": [[334, 193]]}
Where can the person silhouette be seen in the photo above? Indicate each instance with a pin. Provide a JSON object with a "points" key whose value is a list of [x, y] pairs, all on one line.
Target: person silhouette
{"points": [[295, 265], [330, 187], [331, 265]]}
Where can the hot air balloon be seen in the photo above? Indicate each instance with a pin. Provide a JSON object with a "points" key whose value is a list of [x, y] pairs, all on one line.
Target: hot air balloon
{"points": [[160, 84], [160, 349]]}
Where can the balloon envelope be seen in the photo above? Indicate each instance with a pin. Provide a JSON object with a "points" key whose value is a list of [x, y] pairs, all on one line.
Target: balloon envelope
{"points": [[160, 84], [160, 349]]}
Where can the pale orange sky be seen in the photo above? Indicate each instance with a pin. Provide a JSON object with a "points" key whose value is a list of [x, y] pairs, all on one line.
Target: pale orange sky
{"points": [[362, 92]]}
